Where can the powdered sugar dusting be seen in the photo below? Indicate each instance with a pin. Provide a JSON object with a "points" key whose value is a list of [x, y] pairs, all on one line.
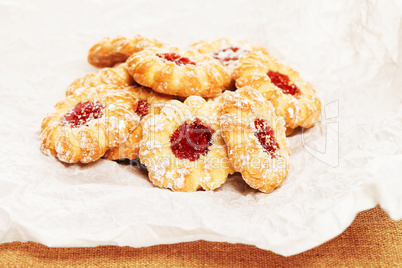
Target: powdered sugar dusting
{"points": [[159, 169], [179, 182], [230, 55], [291, 112], [153, 144], [169, 175], [169, 111], [206, 178]]}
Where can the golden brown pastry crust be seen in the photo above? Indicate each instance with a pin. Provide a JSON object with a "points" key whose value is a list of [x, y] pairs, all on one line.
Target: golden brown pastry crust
{"points": [[260, 169], [86, 142], [227, 51], [131, 147], [117, 75], [297, 110], [111, 51], [166, 170], [205, 78]]}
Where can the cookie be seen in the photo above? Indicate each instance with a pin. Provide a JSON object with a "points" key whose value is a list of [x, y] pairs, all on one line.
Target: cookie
{"points": [[227, 51], [175, 72], [117, 75], [85, 124], [293, 98], [111, 51], [149, 102], [183, 148], [256, 140]]}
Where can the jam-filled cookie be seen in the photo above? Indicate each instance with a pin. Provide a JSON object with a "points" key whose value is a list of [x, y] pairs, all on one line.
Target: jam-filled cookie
{"points": [[117, 75], [257, 144], [175, 72], [293, 98], [149, 102], [183, 148], [84, 125], [227, 51], [109, 51]]}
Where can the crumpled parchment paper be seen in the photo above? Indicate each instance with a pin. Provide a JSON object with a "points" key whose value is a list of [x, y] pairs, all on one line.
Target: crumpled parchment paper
{"points": [[350, 161]]}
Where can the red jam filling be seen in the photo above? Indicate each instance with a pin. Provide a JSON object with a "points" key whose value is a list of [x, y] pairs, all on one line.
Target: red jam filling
{"points": [[82, 113], [227, 54], [179, 60], [282, 81], [266, 136], [142, 108], [191, 140]]}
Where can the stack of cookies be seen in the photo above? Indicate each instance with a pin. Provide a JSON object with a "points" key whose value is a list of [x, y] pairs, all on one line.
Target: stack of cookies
{"points": [[192, 117]]}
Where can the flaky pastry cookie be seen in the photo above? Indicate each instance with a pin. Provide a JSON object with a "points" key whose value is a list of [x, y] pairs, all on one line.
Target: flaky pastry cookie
{"points": [[109, 51], [293, 98], [182, 146], [175, 72], [149, 102], [227, 51], [117, 75], [84, 125], [257, 144]]}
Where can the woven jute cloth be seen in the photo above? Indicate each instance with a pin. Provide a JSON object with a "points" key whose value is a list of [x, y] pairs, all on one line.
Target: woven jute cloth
{"points": [[373, 240]]}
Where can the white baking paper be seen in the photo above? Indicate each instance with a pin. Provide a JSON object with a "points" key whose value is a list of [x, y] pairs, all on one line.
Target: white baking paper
{"points": [[350, 161]]}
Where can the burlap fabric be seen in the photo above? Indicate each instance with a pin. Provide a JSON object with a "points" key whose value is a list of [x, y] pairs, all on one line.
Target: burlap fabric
{"points": [[373, 240]]}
